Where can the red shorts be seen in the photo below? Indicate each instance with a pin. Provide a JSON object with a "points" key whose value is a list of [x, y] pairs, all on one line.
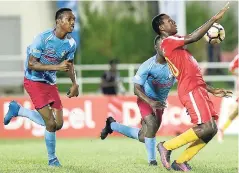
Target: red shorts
{"points": [[43, 94], [145, 109], [199, 105]]}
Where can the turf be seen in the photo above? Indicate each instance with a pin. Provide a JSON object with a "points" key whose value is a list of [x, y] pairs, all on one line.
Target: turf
{"points": [[114, 155]]}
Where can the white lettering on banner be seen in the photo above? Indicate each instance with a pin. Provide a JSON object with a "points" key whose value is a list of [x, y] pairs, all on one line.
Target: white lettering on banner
{"points": [[77, 119], [175, 115], [127, 117]]}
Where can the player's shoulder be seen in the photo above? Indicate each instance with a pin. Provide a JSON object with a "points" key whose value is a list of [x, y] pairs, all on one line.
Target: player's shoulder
{"points": [[46, 33], [71, 40], [174, 37], [149, 62]]}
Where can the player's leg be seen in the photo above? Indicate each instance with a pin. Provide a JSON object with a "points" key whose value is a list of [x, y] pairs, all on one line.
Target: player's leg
{"points": [[196, 106], [112, 125], [152, 125], [205, 131], [50, 134], [15, 110]]}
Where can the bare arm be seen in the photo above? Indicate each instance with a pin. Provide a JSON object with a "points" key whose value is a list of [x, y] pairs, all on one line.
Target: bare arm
{"points": [[219, 92], [138, 90], [72, 74], [201, 31], [34, 64]]}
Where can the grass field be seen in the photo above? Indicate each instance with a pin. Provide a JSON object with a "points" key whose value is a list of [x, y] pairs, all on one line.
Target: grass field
{"points": [[114, 155]]}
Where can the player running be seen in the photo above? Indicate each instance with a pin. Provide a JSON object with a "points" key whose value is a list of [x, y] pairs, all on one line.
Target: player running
{"points": [[51, 51], [192, 90], [232, 68], [152, 83]]}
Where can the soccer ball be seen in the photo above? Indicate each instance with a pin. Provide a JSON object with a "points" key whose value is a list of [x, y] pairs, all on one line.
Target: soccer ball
{"points": [[215, 34]]}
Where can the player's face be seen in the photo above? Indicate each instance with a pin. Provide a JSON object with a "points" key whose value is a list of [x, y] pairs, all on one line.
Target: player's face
{"points": [[169, 25], [67, 21]]}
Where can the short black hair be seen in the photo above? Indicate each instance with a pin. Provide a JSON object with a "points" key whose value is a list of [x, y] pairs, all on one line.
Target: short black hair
{"points": [[156, 39], [60, 12], [156, 22]]}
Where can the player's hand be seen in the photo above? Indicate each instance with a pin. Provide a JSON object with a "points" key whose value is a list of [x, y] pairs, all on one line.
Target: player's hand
{"points": [[157, 104], [73, 92], [221, 12], [64, 65], [218, 92]]}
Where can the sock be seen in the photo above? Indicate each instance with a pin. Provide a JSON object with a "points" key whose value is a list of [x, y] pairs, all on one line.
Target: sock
{"points": [[130, 132], [184, 138], [150, 144], [32, 115], [227, 124], [50, 139], [191, 151]]}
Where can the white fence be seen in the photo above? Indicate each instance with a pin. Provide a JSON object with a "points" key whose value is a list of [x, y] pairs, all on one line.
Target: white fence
{"points": [[131, 68], [11, 69]]}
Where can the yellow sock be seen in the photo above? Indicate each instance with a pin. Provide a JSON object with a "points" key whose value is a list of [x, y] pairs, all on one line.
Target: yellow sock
{"points": [[191, 151], [184, 138], [227, 124]]}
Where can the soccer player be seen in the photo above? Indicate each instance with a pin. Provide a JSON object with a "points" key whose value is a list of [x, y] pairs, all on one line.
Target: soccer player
{"points": [[232, 68], [192, 90], [152, 83], [51, 51]]}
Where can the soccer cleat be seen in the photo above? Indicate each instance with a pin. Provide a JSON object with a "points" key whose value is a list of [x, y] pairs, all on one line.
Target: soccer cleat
{"points": [[153, 163], [164, 155], [107, 130], [13, 109], [54, 162], [189, 167], [180, 167]]}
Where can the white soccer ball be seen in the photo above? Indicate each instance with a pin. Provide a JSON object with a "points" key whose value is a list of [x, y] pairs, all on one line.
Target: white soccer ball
{"points": [[215, 34]]}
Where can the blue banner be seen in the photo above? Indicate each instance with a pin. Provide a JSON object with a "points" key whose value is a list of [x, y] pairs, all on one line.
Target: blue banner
{"points": [[72, 4]]}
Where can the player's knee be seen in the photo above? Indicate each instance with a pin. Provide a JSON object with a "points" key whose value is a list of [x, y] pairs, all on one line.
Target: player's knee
{"points": [[152, 129], [59, 125], [141, 136], [51, 126], [209, 132]]}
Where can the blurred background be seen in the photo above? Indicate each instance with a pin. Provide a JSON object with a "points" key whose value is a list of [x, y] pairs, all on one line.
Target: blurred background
{"points": [[112, 31]]}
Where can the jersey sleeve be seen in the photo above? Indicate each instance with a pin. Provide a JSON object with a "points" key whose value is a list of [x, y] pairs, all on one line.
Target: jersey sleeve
{"points": [[72, 51], [171, 43], [36, 47], [142, 73]]}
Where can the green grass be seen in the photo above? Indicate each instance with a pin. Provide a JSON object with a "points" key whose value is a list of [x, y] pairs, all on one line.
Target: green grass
{"points": [[114, 155]]}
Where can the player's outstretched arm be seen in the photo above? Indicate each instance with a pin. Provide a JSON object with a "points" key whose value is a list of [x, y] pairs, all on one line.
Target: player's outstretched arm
{"points": [[201, 31], [34, 64], [219, 92]]}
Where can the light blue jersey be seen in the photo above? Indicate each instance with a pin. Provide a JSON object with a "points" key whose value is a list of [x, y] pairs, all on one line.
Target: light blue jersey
{"points": [[155, 78], [50, 50]]}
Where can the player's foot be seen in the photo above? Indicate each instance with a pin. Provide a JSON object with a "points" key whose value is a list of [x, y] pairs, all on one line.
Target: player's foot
{"points": [[153, 163], [164, 155], [12, 112], [180, 167], [220, 136], [54, 162], [107, 130], [189, 167]]}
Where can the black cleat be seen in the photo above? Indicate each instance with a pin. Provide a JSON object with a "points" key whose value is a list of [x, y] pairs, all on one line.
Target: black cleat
{"points": [[153, 163], [107, 130]]}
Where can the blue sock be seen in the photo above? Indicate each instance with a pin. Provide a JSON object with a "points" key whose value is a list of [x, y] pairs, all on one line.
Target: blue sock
{"points": [[50, 139], [150, 144], [32, 115], [125, 130]]}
